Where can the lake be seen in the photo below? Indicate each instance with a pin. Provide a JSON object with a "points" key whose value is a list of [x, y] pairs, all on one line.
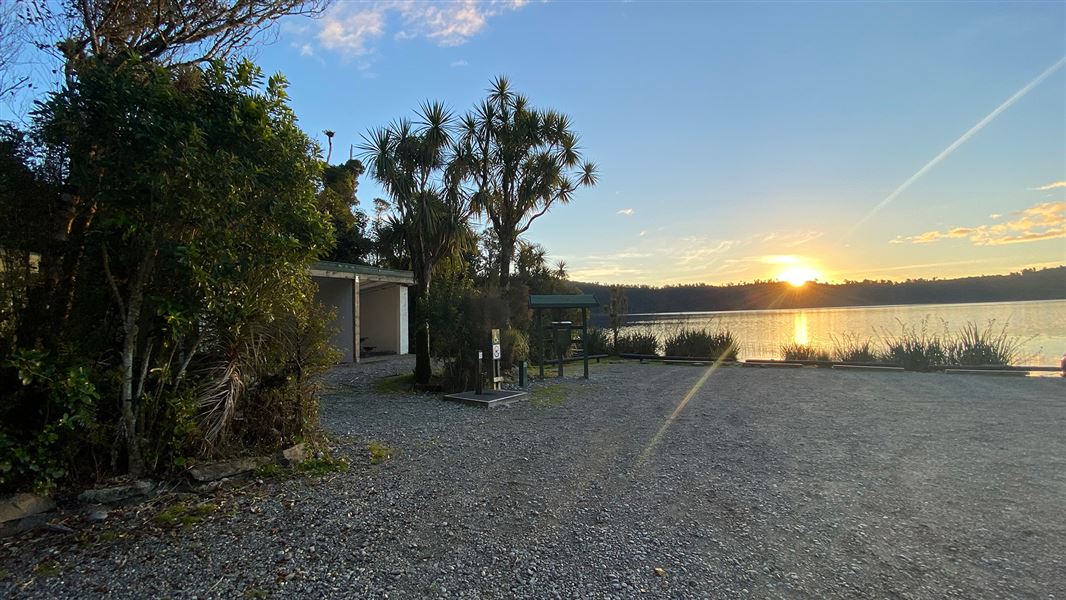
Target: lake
{"points": [[1040, 325]]}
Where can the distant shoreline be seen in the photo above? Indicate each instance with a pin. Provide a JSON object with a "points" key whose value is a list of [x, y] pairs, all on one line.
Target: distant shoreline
{"points": [[1025, 286], [693, 313]]}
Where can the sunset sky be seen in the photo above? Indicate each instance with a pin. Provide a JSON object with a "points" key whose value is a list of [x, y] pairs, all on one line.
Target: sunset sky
{"points": [[740, 141]]}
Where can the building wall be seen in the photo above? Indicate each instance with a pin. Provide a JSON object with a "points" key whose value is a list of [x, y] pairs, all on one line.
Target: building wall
{"points": [[336, 294], [383, 318]]}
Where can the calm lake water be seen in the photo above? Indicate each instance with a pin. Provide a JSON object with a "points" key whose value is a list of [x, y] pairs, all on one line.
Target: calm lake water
{"points": [[1040, 325]]}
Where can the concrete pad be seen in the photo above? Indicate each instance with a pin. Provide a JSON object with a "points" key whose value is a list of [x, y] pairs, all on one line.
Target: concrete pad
{"points": [[488, 398]]}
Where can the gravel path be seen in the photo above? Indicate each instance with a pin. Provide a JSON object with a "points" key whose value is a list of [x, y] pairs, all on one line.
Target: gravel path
{"points": [[766, 483]]}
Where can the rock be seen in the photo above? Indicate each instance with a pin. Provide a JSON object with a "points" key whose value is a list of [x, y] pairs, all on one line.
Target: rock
{"points": [[17, 526], [228, 468], [660, 572], [96, 516], [19, 506], [57, 528], [110, 495], [293, 456]]}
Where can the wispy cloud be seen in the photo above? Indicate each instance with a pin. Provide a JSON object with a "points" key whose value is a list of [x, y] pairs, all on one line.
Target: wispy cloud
{"points": [[455, 64], [1043, 221], [351, 32], [959, 142], [626, 212], [1050, 186], [353, 28]]}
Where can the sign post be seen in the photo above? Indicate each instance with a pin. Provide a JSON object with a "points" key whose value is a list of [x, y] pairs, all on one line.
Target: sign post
{"points": [[496, 355]]}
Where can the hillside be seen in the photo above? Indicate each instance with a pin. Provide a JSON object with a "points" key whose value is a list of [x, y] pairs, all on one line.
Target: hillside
{"points": [[1029, 284]]}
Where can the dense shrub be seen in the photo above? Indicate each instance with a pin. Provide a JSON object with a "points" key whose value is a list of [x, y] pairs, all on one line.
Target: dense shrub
{"points": [[701, 343], [169, 312], [464, 317]]}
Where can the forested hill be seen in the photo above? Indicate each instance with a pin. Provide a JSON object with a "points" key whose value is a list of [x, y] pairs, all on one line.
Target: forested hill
{"points": [[1030, 284]]}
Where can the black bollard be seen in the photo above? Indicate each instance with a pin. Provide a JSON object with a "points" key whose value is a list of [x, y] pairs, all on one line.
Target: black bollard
{"points": [[478, 388]]}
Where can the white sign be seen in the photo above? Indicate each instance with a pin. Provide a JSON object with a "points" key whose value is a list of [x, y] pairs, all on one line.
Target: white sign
{"points": [[479, 357], [496, 351]]}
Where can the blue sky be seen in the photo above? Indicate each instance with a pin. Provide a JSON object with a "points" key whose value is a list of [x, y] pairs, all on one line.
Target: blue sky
{"points": [[738, 140]]}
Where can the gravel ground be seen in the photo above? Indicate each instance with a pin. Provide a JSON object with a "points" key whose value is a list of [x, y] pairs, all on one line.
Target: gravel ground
{"points": [[765, 483]]}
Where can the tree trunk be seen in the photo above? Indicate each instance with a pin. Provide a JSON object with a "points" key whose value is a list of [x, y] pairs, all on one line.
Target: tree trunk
{"points": [[506, 257], [423, 370], [131, 318]]}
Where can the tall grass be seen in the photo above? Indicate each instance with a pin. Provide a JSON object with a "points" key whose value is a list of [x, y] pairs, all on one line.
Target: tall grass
{"points": [[973, 346], [598, 341], [915, 348], [797, 351], [637, 342], [701, 343], [854, 350]]}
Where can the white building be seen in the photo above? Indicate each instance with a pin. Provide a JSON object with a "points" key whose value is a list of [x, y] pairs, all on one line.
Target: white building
{"points": [[371, 307]]}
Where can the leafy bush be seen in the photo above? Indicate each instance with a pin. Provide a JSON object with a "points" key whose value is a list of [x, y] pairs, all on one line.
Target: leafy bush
{"points": [[637, 342], [701, 343], [973, 346], [463, 318], [797, 351], [43, 421]]}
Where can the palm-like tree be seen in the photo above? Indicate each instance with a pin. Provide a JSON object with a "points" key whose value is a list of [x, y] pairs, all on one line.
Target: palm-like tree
{"points": [[522, 161], [421, 167]]}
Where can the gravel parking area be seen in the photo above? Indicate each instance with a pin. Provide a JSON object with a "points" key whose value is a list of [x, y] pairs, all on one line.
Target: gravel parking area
{"points": [[765, 483]]}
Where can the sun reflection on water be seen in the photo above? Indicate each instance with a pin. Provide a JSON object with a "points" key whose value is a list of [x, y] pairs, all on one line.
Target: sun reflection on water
{"points": [[799, 334]]}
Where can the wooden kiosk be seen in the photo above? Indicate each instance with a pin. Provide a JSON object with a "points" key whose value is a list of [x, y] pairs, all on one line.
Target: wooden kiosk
{"points": [[557, 328]]}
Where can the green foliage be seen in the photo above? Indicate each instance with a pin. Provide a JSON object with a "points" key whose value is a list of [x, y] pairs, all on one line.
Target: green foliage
{"points": [[338, 200], [797, 351], [178, 295], [43, 419], [184, 515], [637, 342], [701, 343], [323, 464], [522, 161], [379, 452], [466, 316]]}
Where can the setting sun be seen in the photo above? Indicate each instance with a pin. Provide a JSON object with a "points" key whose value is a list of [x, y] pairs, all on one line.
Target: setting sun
{"points": [[798, 276]]}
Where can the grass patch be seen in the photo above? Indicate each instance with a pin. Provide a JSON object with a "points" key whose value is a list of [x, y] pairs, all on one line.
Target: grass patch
{"points": [[271, 471], [379, 452], [184, 515], [396, 384], [324, 465], [547, 395], [47, 568], [255, 593]]}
